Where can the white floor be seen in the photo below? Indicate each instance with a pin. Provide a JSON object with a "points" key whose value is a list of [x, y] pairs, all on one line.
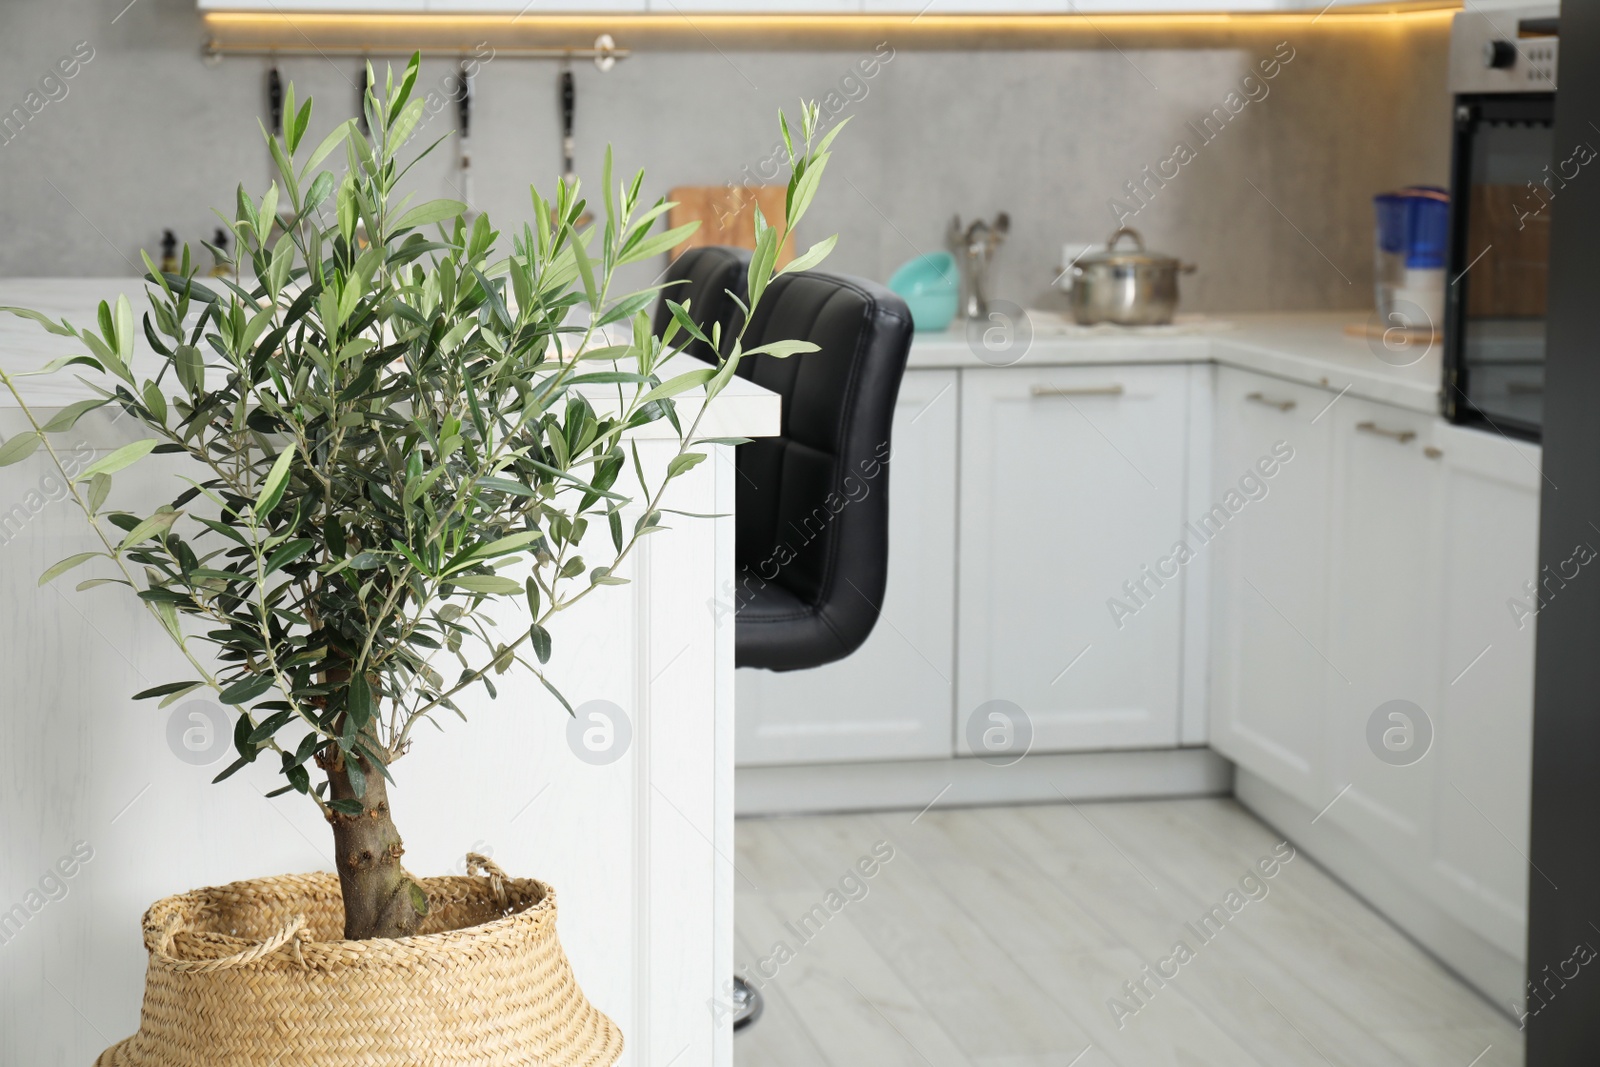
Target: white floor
{"points": [[996, 937]]}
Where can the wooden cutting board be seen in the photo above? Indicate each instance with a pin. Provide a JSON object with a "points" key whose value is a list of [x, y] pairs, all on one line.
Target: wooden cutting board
{"points": [[725, 214]]}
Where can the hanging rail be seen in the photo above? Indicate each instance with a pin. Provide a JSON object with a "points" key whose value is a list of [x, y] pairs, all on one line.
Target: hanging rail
{"points": [[604, 51]]}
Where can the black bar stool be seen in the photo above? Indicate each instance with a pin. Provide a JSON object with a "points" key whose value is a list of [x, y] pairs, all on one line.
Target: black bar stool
{"points": [[812, 551]]}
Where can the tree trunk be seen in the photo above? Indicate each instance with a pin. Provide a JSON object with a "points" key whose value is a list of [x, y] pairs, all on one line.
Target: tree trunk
{"points": [[381, 899]]}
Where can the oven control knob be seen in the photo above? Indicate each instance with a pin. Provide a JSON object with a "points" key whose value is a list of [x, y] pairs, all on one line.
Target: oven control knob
{"points": [[1498, 55]]}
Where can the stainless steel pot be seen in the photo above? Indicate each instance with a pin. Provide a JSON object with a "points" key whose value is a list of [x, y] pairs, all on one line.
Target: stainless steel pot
{"points": [[1136, 288]]}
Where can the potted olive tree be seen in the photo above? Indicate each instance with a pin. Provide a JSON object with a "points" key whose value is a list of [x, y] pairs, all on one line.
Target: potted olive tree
{"points": [[399, 423]]}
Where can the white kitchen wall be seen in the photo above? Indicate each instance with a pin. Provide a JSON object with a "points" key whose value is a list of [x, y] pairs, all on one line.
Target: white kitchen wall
{"points": [[1275, 209]]}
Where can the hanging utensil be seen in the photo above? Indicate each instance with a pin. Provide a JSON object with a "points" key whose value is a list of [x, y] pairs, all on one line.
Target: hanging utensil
{"points": [[274, 116], [464, 134], [569, 101], [361, 98]]}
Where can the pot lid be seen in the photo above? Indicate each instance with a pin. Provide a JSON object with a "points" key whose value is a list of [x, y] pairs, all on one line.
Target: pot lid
{"points": [[1137, 257]]}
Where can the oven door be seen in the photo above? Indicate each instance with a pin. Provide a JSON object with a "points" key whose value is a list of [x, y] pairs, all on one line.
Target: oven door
{"points": [[1504, 186]]}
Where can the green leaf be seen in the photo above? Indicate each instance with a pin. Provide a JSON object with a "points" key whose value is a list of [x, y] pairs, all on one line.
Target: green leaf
{"points": [[231, 769], [346, 806], [165, 690], [358, 701], [246, 689], [19, 447], [683, 382], [276, 481], [419, 899], [99, 489], [66, 565], [591, 294], [122, 457], [783, 349], [680, 315], [190, 366], [60, 329], [432, 211], [813, 255], [804, 189], [124, 322], [68, 417], [329, 143], [487, 583], [157, 524], [540, 637], [179, 694], [155, 402], [661, 242], [555, 693], [687, 461], [269, 726], [505, 546]]}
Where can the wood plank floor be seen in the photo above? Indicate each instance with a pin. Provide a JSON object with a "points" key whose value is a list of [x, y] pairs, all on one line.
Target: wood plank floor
{"points": [[1007, 937]]}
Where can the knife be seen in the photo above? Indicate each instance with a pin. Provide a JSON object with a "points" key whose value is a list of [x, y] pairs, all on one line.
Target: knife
{"points": [[464, 108], [569, 101]]}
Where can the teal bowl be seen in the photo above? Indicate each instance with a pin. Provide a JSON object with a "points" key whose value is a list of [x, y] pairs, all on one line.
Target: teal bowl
{"points": [[931, 288]]}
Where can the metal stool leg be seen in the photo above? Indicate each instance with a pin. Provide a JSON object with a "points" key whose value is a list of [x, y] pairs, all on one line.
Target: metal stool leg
{"points": [[747, 1004]]}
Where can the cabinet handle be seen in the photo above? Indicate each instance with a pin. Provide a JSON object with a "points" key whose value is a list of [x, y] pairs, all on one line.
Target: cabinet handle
{"points": [[1402, 436], [1262, 398], [1114, 389]]}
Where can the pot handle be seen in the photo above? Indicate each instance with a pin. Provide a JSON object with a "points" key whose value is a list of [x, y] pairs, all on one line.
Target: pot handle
{"points": [[476, 861], [293, 931], [1125, 231]]}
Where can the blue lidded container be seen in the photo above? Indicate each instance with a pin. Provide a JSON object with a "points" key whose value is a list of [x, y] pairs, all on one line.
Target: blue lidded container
{"points": [[1413, 236]]}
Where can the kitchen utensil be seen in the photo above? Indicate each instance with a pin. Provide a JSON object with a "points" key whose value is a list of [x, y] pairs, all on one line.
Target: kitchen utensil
{"points": [[361, 99], [464, 134], [724, 214], [1136, 288], [569, 107], [975, 247], [274, 117], [931, 288]]}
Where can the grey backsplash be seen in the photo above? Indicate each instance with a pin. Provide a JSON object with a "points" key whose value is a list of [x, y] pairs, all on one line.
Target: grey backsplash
{"points": [[1275, 210]]}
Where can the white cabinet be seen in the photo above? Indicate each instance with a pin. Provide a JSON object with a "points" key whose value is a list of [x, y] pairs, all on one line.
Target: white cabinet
{"points": [[1270, 581], [1388, 563], [1489, 515], [1070, 592], [1384, 628], [1436, 536], [893, 698]]}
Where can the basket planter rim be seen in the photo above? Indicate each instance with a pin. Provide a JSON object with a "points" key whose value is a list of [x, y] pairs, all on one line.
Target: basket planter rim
{"points": [[198, 901]]}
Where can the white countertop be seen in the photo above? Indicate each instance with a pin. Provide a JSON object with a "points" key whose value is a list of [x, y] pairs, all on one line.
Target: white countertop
{"points": [[1309, 347], [743, 409]]}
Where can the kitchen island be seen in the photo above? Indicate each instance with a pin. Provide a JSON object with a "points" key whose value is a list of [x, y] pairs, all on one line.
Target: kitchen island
{"points": [[626, 809]]}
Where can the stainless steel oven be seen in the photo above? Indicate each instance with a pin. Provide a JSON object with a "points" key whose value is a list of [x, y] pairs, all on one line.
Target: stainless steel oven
{"points": [[1506, 180]]}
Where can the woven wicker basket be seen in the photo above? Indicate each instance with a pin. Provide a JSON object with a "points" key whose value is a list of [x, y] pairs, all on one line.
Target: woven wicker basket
{"points": [[255, 974]]}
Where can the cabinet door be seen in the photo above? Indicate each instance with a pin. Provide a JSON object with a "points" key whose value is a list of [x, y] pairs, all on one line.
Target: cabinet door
{"points": [[1383, 644], [1482, 759], [1270, 605], [1072, 499], [892, 699]]}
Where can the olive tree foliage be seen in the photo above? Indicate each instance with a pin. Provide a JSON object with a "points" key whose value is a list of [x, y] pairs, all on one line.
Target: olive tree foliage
{"points": [[394, 413]]}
